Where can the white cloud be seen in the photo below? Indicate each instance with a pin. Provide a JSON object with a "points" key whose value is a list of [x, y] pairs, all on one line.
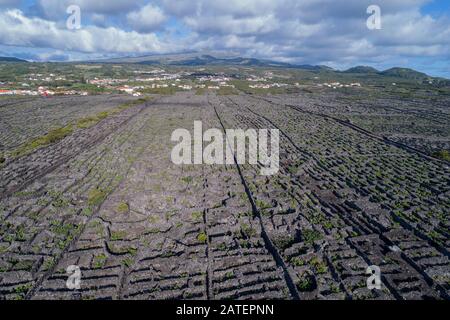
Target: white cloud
{"points": [[314, 31], [307, 31], [147, 19], [229, 25], [19, 30]]}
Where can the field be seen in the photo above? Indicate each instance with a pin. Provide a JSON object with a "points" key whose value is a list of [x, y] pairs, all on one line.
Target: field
{"points": [[363, 180]]}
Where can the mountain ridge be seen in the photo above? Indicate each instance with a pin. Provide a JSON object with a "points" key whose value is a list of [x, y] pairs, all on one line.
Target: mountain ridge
{"points": [[11, 59], [207, 59], [211, 59]]}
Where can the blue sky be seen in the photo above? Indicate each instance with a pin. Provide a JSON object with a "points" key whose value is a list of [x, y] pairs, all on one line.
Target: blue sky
{"points": [[414, 33], [437, 7]]}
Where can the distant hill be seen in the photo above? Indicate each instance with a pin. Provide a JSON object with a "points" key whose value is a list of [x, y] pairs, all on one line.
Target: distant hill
{"points": [[207, 60], [11, 59], [361, 69], [196, 59], [401, 73], [214, 58], [405, 73], [312, 68]]}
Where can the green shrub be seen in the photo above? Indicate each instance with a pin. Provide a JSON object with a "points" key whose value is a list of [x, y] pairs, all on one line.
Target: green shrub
{"points": [[247, 231], [202, 237], [187, 180], [99, 261], [305, 284], [318, 265], [309, 236], [296, 261], [22, 290], [128, 262], [262, 204], [443, 154], [283, 241]]}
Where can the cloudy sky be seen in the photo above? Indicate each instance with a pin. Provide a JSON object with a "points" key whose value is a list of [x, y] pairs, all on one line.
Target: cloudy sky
{"points": [[414, 33]]}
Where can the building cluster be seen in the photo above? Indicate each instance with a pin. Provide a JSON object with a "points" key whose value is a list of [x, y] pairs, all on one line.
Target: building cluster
{"points": [[155, 71], [268, 85], [46, 78], [41, 91], [254, 78], [162, 77], [131, 90], [221, 79], [4, 92], [336, 85], [107, 81]]}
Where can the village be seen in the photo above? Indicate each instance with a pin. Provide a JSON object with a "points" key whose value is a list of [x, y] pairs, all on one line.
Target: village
{"points": [[118, 79]]}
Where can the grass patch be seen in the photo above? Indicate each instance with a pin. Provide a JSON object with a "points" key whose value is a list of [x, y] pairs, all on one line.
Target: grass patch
{"points": [[197, 215], [90, 121], [96, 197], [51, 137], [118, 235], [123, 208], [87, 122], [102, 115], [87, 212], [187, 180], [58, 134]]}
